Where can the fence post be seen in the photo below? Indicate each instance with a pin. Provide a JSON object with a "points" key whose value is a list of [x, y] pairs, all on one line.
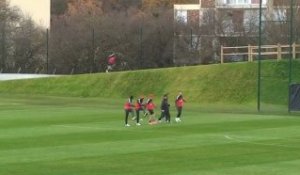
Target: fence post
{"points": [[54, 71], [222, 54], [72, 71], [279, 56], [249, 53], [294, 50]]}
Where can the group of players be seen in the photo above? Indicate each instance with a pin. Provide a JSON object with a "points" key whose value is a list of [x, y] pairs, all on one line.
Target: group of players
{"points": [[149, 107]]}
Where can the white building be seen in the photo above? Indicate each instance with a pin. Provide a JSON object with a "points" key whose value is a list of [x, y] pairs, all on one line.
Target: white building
{"points": [[219, 20]]}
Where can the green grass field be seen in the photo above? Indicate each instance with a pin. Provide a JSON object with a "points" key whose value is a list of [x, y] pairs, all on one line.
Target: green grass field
{"points": [[44, 135]]}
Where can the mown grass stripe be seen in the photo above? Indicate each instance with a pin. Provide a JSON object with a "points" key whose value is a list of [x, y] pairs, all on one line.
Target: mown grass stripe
{"points": [[33, 141]]}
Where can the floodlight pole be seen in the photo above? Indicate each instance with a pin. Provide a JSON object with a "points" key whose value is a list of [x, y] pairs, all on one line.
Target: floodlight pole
{"points": [[141, 32], [174, 35], [291, 51], [259, 57], [141, 47], [191, 38], [47, 49], [93, 50]]}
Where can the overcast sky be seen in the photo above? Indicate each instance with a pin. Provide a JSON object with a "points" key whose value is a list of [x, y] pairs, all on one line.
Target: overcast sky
{"points": [[38, 9]]}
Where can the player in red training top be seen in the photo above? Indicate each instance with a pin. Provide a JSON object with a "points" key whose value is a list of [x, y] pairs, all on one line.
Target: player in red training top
{"points": [[179, 102], [150, 106], [128, 109], [111, 62], [139, 106]]}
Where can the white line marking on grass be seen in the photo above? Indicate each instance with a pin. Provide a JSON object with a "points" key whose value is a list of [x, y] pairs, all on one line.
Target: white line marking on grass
{"points": [[256, 143], [80, 127], [86, 127]]}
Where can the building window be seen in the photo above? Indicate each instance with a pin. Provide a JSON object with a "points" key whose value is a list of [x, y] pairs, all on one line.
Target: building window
{"points": [[280, 15], [181, 16], [243, 2], [251, 20], [235, 2]]}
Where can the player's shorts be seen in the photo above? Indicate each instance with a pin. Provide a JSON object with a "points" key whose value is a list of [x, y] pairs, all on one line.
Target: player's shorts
{"points": [[139, 109], [128, 110], [151, 112]]}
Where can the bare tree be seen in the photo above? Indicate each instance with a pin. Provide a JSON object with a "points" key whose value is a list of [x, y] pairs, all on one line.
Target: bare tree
{"points": [[81, 41], [29, 51], [23, 43], [8, 18]]}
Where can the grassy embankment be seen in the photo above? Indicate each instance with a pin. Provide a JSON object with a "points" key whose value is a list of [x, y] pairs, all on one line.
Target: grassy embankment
{"points": [[218, 84]]}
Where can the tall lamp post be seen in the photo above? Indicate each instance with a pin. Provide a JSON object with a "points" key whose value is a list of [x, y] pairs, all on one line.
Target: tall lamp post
{"points": [[47, 52], [141, 61], [291, 38], [259, 58]]}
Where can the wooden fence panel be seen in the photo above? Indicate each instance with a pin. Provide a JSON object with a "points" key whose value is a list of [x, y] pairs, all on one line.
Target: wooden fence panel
{"points": [[275, 50]]}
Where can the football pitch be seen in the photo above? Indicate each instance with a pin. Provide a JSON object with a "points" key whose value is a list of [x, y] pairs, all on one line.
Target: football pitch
{"points": [[85, 136]]}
